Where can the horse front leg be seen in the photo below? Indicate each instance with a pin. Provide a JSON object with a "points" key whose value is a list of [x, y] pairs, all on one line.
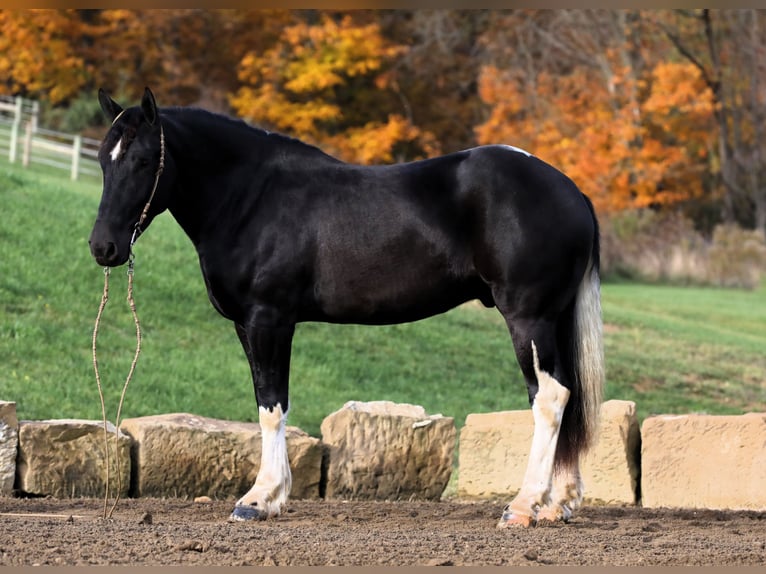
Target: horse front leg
{"points": [[268, 351]]}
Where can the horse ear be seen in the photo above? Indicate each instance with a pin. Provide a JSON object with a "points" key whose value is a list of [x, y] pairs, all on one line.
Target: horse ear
{"points": [[149, 106], [111, 108]]}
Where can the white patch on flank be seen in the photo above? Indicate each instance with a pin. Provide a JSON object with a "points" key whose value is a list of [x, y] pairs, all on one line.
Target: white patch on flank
{"points": [[517, 150], [547, 410], [115, 153], [272, 486]]}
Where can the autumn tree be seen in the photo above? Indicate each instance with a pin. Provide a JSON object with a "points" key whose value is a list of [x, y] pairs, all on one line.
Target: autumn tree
{"points": [[37, 58], [326, 81], [185, 56], [584, 91], [726, 48], [436, 77]]}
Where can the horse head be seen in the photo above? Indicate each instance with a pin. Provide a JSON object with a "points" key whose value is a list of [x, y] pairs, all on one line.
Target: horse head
{"points": [[132, 158]]}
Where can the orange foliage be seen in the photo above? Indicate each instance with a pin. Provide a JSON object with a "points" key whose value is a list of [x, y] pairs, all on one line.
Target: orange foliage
{"points": [[377, 142], [36, 54], [623, 151], [297, 86]]}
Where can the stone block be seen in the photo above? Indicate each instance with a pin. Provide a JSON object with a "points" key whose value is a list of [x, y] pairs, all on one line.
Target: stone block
{"points": [[9, 443], [704, 461], [494, 450], [67, 458], [185, 455], [387, 451], [611, 469]]}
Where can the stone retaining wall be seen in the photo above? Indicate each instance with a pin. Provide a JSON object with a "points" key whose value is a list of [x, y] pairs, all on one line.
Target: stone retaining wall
{"points": [[66, 458], [699, 461], [494, 449], [190, 456], [381, 450]]}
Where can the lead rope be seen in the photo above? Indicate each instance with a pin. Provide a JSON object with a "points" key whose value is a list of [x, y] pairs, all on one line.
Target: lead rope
{"points": [[104, 299], [132, 304], [108, 512]]}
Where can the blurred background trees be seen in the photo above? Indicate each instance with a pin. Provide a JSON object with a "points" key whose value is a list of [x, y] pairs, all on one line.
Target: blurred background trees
{"points": [[656, 114]]}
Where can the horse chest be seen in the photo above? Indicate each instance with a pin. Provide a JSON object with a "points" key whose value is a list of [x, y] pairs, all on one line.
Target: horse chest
{"points": [[240, 284], [223, 300]]}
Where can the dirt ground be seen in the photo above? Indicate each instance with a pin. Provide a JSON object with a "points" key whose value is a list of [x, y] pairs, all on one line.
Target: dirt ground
{"points": [[46, 531]]}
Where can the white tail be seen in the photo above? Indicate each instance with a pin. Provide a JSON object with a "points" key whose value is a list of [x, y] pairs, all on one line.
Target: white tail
{"points": [[589, 351]]}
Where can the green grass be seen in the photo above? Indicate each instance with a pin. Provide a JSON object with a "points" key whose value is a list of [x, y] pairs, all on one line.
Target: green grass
{"points": [[670, 349], [686, 349]]}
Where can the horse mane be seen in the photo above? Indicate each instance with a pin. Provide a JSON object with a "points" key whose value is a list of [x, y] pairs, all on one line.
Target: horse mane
{"points": [[234, 129]]}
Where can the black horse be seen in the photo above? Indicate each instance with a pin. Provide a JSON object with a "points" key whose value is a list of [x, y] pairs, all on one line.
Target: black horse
{"points": [[286, 233]]}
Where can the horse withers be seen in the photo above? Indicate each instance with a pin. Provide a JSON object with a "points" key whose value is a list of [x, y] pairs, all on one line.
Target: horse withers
{"points": [[286, 233]]}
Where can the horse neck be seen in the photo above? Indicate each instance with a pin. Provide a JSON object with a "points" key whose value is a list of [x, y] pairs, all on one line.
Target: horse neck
{"points": [[204, 152], [218, 166]]}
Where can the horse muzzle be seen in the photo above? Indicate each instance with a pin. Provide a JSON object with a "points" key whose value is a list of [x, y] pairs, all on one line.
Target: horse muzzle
{"points": [[106, 251]]}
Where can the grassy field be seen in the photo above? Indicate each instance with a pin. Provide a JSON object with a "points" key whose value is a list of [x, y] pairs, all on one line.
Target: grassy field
{"points": [[670, 349]]}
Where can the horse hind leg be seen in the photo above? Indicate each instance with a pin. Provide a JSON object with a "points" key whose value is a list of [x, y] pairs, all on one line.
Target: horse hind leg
{"points": [[549, 398], [566, 485]]}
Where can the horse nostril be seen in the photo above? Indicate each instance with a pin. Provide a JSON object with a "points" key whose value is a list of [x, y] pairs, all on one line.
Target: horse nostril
{"points": [[111, 251], [105, 253]]}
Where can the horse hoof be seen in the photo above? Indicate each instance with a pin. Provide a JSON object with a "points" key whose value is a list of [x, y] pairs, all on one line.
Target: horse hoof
{"points": [[244, 512], [512, 520]]}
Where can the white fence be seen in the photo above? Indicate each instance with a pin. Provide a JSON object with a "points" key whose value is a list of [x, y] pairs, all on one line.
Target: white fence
{"points": [[21, 139]]}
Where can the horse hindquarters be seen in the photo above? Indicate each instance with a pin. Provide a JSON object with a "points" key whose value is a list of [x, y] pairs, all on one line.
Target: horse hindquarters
{"points": [[562, 361]]}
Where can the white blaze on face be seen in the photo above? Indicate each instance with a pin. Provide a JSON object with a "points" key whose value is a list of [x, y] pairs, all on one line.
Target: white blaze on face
{"points": [[115, 153]]}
